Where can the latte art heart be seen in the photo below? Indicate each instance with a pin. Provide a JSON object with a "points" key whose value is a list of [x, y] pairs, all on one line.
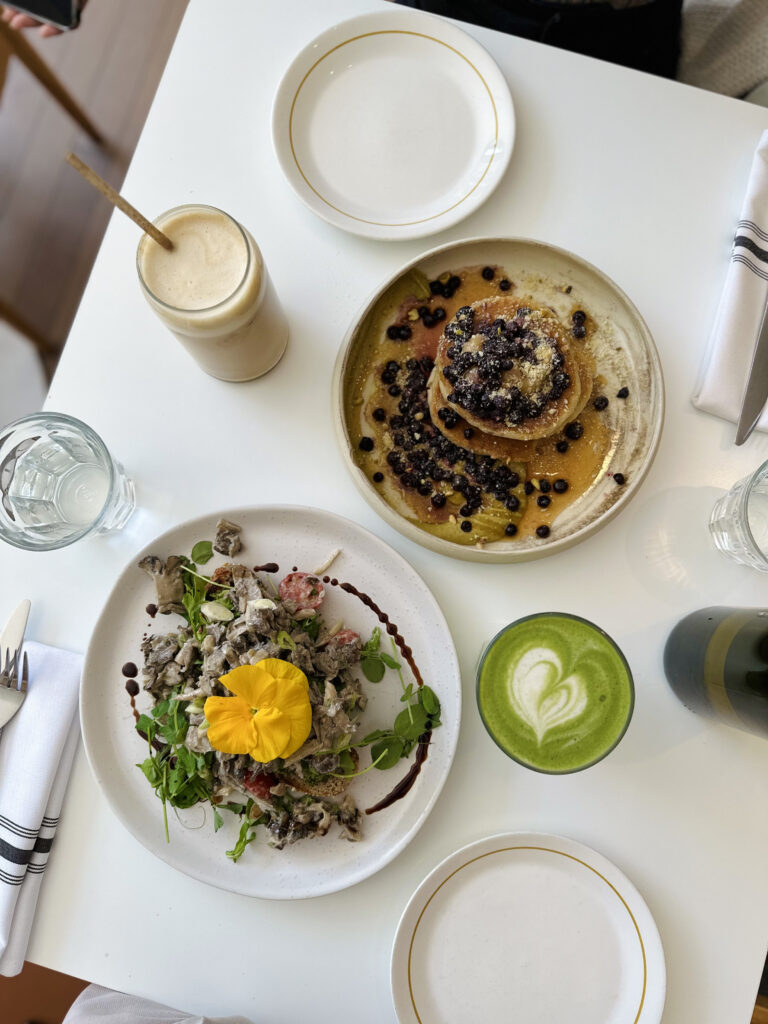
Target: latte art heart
{"points": [[540, 696]]}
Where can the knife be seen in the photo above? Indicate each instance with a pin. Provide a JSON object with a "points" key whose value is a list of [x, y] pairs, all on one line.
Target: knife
{"points": [[13, 635], [756, 392]]}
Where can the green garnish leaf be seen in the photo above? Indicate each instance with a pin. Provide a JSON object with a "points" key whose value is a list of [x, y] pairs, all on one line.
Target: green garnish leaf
{"points": [[218, 821], [146, 727], [373, 669], [244, 838], [202, 552], [387, 752], [346, 762], [428, 700], [411, 723], [377, 734], [372, 645], [151, 771], [311, 626], [389, 661]]}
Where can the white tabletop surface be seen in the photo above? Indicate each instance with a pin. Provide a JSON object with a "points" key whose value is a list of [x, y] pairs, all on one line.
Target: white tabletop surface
{"points": [[644, 178]]}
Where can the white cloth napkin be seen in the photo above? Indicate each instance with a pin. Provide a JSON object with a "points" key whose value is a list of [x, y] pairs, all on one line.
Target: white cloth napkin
{"points": [[103, 1006], [36, 751], [724, 372]]}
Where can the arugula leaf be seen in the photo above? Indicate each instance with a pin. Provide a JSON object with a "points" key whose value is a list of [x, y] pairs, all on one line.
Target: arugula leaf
{"points": [[202, 552]]}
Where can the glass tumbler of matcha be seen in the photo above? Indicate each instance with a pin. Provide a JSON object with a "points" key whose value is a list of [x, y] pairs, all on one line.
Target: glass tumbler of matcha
{"points": [[716, 661], [213, 291], [555, 692]]}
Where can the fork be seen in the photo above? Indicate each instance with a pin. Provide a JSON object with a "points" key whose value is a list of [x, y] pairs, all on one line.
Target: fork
{"points": [[13, 687]]}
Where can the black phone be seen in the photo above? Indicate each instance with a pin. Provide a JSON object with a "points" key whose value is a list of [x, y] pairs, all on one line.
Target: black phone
{"points": [[61, 13]]}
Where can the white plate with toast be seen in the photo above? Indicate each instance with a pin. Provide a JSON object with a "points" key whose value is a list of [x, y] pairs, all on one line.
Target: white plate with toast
{"points": [[289, 536]]}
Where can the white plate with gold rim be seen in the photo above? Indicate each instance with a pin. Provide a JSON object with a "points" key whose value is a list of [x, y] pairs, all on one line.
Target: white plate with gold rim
{"points": [[393, 124], [528, 926]]}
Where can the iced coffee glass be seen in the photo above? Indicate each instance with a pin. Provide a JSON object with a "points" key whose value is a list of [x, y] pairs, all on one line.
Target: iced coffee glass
{"points": [[213, 291]]}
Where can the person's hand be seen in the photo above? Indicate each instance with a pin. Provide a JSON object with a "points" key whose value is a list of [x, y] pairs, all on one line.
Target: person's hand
{"points": [[17, 20]]}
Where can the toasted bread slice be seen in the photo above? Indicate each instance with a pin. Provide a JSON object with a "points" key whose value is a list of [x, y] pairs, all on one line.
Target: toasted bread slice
{"points": [[332, 786]]}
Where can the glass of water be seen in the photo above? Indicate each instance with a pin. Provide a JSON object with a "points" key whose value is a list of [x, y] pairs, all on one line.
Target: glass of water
{"points": [[58, 483], [739, 520]]}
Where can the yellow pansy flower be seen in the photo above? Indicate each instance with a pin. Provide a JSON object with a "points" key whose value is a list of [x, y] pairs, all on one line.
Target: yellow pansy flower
{"points": [[270, 715]]}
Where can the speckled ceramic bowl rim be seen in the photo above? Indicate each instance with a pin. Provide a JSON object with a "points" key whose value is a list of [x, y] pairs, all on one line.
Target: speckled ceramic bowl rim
{"points": [[439, 544]]}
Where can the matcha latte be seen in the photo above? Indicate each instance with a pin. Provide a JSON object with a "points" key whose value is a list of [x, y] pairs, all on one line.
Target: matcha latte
{"points": [[555, 692]]}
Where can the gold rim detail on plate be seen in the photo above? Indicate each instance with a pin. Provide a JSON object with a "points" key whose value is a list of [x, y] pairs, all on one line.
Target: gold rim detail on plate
{"points": [[407, 223], [542, 849]]}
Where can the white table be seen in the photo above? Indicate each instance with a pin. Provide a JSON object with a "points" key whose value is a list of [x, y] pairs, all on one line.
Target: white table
{"points": [[644, 178]]}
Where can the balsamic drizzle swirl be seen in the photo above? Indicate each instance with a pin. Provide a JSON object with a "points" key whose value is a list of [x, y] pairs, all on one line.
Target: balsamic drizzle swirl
{"points": [[406, 783]]}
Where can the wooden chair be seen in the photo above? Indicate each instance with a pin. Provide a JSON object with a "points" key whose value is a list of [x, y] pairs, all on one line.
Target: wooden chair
{"points": [[13, 43]]}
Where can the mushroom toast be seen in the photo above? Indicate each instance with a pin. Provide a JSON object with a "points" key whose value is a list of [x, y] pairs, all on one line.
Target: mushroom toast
{"points": [[255, 700]]}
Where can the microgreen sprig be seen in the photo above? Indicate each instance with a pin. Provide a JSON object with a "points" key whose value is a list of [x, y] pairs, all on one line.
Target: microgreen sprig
{"points": [[420, 715], [373, 661]]}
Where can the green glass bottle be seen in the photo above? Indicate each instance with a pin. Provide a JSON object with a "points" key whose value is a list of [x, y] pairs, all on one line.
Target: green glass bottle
{"points": [[716, 661]]}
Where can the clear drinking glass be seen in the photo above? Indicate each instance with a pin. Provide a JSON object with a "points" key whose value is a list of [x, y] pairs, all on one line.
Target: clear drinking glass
{"points": [[739, 520], [58, 483]]}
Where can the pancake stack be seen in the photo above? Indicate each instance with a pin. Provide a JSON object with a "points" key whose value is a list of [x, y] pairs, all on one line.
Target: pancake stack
{"points": [[510, 372]]}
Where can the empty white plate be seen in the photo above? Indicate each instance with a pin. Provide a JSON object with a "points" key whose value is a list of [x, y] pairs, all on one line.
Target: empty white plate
{"points": [[532, 928], [394, 124]]}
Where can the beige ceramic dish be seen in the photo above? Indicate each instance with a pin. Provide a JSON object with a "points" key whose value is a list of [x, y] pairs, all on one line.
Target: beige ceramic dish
{"points": [[625, 354]]}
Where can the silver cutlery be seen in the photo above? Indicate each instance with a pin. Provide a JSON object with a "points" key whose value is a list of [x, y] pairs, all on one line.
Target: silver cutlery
{"points": [[13, 686], [14, 670], [756, 391]]}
